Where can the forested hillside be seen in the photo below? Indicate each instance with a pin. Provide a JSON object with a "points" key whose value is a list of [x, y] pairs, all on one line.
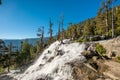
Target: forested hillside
{"points": [[106, 24]]}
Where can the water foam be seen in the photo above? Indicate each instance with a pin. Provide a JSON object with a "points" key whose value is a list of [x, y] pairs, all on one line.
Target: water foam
{"points": [[52, 64]]}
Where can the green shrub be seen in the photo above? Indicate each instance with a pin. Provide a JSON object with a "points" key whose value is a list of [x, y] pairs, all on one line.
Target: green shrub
{"points": [[91, 39], [110, 33], [12, 67], [118, 59], [85, 40], [2, 70], [100, 49], [82, 40]]}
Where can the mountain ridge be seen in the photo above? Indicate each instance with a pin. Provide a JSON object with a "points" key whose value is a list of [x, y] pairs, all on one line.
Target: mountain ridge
{"points": [[17, 42]]}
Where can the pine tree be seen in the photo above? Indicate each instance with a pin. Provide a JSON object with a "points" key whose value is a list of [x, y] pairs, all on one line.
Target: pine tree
{"points": [[100, 25], [87, 28], [50, 32], [9, 56], [25, 53], [69, 31], [33, 52], [74, 30], [62, 27], [59, 31], [113, 32], [80, 30], [40, 34], [105, 9], [117, 22], [93, 27]]}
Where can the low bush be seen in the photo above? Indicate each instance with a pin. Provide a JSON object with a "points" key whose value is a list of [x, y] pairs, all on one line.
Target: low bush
{"points": [[2, 70], [82, 40], [100, 49], [12, 67], [118, 59]]}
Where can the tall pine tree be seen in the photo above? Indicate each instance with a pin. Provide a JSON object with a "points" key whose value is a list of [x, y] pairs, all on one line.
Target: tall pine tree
{"points": [[50, 32], [40, 34]]}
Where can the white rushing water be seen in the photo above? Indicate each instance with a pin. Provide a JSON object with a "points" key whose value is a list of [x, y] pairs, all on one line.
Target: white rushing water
{"points": [[52, 64]]}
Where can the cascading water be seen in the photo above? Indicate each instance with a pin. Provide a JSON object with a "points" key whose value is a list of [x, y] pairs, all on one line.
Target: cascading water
{"points": [[53, 63]]}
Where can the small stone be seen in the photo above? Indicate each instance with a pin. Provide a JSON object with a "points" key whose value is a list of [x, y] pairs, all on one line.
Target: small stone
{"points": [[94, 58]]}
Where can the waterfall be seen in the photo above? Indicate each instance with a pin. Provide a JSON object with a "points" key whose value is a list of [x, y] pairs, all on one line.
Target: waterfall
{"points": [[52, 64]]}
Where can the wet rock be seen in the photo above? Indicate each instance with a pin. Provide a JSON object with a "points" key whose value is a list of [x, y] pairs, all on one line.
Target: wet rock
{"points": [[113, 54], [86, 46], [60, 52], [66, 41], [82, 72], [89, 54], [44, 58], [94, 65], [49, 52], [94, 58], [50, 59], [5, 77], [33, 71], [45, 77], [95, 38], [91, 47], [40, 65]]}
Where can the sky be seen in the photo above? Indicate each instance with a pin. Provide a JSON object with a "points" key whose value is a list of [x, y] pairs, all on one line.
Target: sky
{"points": [[21, 19]]}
